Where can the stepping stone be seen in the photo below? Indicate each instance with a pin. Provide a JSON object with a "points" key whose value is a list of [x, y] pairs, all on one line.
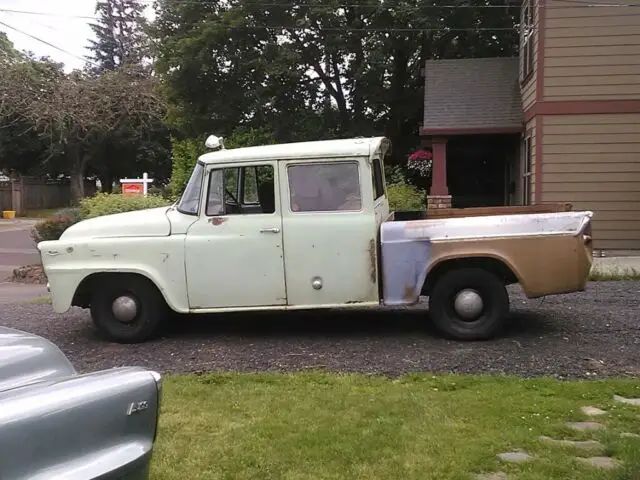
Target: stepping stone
{"points": [[629, 401], [592, 411], [582, 445], [492, 476], [629, 435], [600, 462], [515, 457], [585, 425]]}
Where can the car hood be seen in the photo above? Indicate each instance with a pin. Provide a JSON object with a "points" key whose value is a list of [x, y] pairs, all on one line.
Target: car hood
{"points": [[27, 358], [152, 222]]}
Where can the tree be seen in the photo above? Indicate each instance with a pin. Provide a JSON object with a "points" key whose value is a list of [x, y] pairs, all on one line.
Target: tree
{"points": [[121, 45], [74, 112], [316, 68], [120, 38]]}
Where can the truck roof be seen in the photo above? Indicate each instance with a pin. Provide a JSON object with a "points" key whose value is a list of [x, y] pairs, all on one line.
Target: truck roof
{"points": [[324, 149]]}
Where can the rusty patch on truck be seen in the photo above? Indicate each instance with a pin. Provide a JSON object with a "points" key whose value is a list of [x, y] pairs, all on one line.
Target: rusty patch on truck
{"points": [[373, 267], [409, 293], [216, 221]]}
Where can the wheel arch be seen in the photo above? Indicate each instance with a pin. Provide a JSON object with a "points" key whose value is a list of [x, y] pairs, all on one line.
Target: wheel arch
{"points": [[495, 264], [82, 295]]}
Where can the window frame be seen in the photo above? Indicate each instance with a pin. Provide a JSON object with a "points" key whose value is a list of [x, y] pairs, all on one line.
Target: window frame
{"points": [[375, 178], [527, 174], [355, 161], [526, 39], [203, 175], [239, 190]]}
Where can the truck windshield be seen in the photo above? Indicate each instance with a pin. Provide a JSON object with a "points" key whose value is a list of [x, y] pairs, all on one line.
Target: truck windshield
{"points": [[190, 200]]}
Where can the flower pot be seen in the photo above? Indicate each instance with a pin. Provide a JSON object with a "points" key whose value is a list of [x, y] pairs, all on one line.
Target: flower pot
{"points": [[8, 214]]}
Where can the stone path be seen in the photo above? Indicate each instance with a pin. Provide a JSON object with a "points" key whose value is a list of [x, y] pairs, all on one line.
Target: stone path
{"points": [[519, 456]]}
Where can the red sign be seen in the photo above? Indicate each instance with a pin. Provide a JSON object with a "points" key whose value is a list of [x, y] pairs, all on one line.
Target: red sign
{"points": [[133, 188]]}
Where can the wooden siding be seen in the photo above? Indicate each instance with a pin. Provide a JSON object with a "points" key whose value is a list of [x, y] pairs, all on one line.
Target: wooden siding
{"points": [[591, 53], [593, 162]]}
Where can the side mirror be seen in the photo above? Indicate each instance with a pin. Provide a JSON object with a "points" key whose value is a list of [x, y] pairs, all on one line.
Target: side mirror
{"points": [[214, 142]]}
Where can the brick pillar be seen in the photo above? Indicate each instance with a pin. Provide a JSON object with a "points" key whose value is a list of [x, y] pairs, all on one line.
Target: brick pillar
{"points": [[439, 192]]}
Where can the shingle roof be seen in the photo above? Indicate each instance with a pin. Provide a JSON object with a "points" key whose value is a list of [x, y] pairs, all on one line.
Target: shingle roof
{"points": [[472, 93]]}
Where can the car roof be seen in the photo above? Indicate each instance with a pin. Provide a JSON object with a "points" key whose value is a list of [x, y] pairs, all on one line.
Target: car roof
{"points": [[323, 149]]}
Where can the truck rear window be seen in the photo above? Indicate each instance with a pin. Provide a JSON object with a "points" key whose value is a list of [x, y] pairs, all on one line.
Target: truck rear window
{"points": [[325, 187]]}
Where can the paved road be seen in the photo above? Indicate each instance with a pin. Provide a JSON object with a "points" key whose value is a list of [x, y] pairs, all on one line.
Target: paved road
{"points": [[594, 333], [16, 247]]}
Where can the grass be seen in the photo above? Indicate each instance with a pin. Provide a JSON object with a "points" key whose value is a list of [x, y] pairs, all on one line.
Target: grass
{"points": [[615, 273], [324, 426], [41, 300]]}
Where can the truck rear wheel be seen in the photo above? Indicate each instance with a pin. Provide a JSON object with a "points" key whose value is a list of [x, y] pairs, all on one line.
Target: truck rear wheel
{"points": [[469, 304], [127, 308]]}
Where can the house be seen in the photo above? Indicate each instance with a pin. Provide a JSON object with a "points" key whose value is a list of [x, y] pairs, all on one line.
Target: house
{"points": [[561, 123]]}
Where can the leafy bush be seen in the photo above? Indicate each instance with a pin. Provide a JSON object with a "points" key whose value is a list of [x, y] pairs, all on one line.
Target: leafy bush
{"points": [[185, 153], [53, 227], [107, 204], [405, 197]]}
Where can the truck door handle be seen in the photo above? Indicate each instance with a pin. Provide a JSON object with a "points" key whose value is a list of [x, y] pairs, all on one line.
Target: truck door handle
{"points": [[270, 230]]}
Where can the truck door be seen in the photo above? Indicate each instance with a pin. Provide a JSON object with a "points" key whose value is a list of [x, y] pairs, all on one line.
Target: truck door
{"points": [[329, 233], [233, 252]]}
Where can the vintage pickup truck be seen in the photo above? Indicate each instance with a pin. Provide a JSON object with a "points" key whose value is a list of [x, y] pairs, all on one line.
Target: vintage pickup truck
{"points": [[58, 424], [306, 226]]}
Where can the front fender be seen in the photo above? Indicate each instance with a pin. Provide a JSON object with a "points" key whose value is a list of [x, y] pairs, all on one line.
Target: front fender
{"points": [[160, 259]]}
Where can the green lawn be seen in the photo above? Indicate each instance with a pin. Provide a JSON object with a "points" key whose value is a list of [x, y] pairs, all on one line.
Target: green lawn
{"points": [[324, 426]]}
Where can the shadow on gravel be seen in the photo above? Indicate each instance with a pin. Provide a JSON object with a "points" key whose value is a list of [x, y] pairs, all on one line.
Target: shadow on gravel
{"points": [[337, 324]]}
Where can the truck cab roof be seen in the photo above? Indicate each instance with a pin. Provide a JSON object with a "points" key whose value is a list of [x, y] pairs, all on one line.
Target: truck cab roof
{"points": [[324, 149]]}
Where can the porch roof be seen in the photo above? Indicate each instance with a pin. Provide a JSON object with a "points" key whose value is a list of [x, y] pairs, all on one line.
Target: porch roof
{"points": [[472, 95]]}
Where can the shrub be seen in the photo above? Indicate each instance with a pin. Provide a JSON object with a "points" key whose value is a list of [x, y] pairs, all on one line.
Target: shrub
{"points": [[185, 154], [107, 204], [405, 197], [52, 227]]}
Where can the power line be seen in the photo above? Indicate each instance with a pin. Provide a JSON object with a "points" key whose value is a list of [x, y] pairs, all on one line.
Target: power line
{"points": [[46, 14], [84, 59]]}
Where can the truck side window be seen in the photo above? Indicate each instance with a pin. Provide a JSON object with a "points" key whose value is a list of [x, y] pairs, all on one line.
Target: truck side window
{"points": [[378, 179], [324, 187], [241, 191]]}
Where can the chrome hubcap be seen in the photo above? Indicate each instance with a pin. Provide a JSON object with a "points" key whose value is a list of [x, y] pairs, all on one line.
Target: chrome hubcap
{"points": [[468, 304], [124, 309]]}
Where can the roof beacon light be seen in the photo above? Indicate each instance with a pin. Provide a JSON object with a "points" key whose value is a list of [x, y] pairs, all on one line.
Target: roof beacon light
{"points": [[214, 143]]}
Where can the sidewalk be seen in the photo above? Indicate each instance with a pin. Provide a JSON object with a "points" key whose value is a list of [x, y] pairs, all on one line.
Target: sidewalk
{"points": [[18, 292]]}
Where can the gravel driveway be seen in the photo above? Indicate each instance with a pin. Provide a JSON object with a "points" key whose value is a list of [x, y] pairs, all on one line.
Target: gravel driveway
{"points": [[579, 335]]}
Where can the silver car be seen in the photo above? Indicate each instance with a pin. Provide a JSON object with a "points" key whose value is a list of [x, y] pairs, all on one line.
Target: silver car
{"points": [[58, 424]]}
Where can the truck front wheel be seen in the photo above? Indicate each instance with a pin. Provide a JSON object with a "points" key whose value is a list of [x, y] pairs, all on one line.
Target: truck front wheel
{"points": [[127, 308], [469, 304]]}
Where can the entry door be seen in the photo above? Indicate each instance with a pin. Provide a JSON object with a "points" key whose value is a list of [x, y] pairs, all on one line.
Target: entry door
{"points": [[329, 233], [234, 254]]}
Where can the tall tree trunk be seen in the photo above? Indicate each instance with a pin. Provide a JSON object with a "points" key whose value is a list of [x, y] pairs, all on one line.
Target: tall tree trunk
{"points": [[106, 181], [76, 175]]}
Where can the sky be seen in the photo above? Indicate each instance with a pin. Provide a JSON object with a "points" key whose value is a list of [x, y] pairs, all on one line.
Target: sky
{"points": [[60, 29]]}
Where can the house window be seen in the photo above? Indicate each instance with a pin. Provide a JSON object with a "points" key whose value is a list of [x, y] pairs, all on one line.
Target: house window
{"points": [[526, 171], [324, 187], [526, 38]]}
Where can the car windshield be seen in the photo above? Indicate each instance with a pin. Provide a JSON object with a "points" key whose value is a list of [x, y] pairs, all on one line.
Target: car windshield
{"points": [[190, 200]]}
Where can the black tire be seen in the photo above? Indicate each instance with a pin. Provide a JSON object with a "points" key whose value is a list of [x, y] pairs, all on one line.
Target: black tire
{"points": [[495, 301], [152, 308]]}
